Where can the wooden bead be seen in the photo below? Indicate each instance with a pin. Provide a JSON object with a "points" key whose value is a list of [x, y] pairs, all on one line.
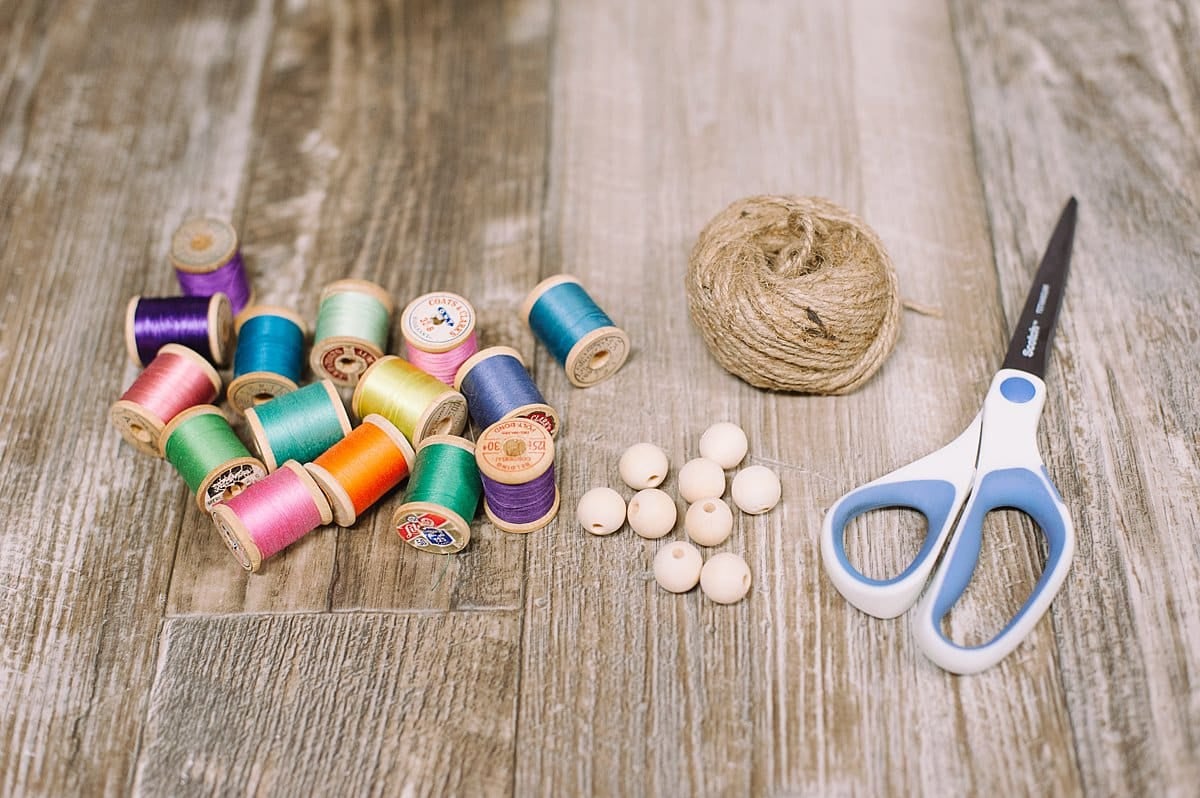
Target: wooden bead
{"points": [[652, 513], [601, 511], [677, 566], [724, 443], [708, 522], [756, 489], [725, 578], [701, 479], [643, 465]]}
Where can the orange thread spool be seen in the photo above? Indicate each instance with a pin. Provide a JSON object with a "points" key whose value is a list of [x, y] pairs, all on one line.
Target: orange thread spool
{"points": [[356, 471]]}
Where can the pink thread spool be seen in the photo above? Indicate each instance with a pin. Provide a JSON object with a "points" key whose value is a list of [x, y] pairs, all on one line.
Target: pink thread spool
{"points": [[439, 334], [270, 515], [176, 379]]}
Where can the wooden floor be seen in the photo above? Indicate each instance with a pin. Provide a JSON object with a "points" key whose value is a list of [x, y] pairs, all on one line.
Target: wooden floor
{"points": [[479, 146]]}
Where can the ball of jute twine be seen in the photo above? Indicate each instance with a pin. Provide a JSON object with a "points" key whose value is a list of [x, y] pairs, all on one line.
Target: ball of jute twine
{"points": [[794, 294]]}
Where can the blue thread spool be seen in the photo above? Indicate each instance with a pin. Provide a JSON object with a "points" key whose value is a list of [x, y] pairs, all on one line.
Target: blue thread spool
{"points": [[299, 425], [498, 387], [577, 332], [270, 356]]}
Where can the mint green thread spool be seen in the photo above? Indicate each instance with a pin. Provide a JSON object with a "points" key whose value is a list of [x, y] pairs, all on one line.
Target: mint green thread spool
{"points": [[576, 330], [209, 456], [442, 496], [299, 425], [351, 331]]}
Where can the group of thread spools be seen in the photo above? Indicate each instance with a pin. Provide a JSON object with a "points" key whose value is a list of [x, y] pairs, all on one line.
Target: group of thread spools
{"points": [[311, 465]]}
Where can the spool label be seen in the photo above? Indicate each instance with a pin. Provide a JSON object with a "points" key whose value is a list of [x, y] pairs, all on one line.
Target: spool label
{"points": [[448, 418], [543, 418], [241, 476], [246, 392], [515, 446], [428, 529], [599, 359], [329, 362], [439, 319], [232, 543]]}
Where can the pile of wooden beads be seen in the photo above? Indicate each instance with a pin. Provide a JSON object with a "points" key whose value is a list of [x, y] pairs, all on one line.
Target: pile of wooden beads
{"points": [[652, 514]]}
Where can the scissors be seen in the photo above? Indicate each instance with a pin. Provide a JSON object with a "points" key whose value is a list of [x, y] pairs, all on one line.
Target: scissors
{"points": [[994, 464]]}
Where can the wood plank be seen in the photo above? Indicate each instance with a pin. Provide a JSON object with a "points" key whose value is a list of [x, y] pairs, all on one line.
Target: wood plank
{"points": [[402, 143], [343, 703], [104, 146], [659, 121], [1102, 100]]}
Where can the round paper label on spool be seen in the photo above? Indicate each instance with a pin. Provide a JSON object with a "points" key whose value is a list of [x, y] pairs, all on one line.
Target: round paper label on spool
{"points": [[438, 322], [514, 451], [597, 356], [344, 361], [229, 481], [431, 528]]}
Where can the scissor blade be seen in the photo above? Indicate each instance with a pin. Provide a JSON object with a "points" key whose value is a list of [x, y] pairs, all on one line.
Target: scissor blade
{"points": [[1030, 346]]}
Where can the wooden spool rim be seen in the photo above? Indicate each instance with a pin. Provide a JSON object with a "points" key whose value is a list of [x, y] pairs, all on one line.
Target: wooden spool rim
{"points": [[126, 415], [584, 375], [278, 384], [346, 343], [459, 527], [339, 501], [411, 336], [258, 437], [216, 229], [220, 471], [446, 415], [524, 430], [545, 285]]}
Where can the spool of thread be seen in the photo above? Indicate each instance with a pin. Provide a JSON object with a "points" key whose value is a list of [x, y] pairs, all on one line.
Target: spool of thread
{"points": [[497, 386], [271, 515], [176, 379], [352, 330], [270, 356], [442, 496], [577, 332], [516, 465], [418, 404], [299, 425], [358, 470], [205, 255], [202, 324], [439, 334], [209, 456]]}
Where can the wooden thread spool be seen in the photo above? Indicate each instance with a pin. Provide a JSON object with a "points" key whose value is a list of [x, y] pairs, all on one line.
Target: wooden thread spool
{"points": [[207, 261], [269, 359], [209, 456], [577, 332], [175, 380], [439, 333], [271, 515], [358, 470], [351, 331], [299, 425], [497, 386], [202, 324], [418, 404], [516, 460], [442, 497]]}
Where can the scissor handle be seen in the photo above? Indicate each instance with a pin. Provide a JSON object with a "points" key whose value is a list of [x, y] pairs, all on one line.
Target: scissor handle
{"points": [[934, 486], [1010, 473]]}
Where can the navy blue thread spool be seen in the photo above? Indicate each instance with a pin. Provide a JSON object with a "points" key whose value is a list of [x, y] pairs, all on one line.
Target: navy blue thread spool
{"points": [[269, 359], [497, 386], [577, 332], [516, 466], [203, 324]]}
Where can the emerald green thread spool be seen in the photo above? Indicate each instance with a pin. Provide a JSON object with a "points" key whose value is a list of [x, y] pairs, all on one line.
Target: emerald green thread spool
{"points": [[209, 456], [442, 496], [299, 425], [352, 330]]}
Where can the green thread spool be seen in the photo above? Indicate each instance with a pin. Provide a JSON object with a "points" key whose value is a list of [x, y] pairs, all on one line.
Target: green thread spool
{"points": [[418, 404], [442, 497], [299, 425], [575, 329], [352, 330], [209, 456]]}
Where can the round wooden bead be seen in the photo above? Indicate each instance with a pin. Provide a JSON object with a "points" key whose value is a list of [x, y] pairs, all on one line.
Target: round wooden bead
{"points": [[724, 443], [701, 479], [652, 513], [725, 578], [677, 566], [756, 489], [643, 465], [601, 511], [708, 522]]}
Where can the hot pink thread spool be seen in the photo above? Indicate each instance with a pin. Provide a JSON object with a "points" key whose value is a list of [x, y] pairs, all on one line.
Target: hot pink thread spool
{"points": [[270, 515], [176, 379], [439, 334]]}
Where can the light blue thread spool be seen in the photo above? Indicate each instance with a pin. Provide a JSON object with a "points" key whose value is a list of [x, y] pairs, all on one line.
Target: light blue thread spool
{"points": [[497, 387], [577, 332], [299, 425], [269, 359]]}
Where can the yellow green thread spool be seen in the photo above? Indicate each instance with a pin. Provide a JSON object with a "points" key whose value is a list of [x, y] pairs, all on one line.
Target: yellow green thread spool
{"points": [[209, 456], [442, 496], [351, 331], [418, 404]]}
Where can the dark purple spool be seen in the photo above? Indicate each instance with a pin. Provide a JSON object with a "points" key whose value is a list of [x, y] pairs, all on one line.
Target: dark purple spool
{"points": [[229, 280], [172, 320], [520, 504]]}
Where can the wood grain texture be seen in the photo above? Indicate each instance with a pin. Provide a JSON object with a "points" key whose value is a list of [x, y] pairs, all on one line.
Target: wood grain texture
{"points": [[1103, 101], [333, 704]]}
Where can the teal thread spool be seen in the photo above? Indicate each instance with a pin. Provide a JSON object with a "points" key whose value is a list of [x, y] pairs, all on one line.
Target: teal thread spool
{"points": [[352, 330], [209, 456], [442, 496], [269, 358], [577, 332], [299, 425]]}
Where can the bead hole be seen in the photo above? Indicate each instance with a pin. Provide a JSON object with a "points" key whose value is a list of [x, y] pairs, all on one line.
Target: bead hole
{"points": [[677, 553], [599, 359], [597, 525], [709, 507]]}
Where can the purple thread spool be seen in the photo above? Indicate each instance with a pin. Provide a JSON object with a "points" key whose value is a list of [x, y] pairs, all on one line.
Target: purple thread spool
{"points": [[205, 255], [203, 324], [516, 465]]}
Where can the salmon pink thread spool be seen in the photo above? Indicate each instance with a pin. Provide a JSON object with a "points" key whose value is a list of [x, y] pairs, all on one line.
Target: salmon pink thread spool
{"points": [[358, 470], [207, 261], [176, 379], [439, 334], [516, 465], [271, 515]]}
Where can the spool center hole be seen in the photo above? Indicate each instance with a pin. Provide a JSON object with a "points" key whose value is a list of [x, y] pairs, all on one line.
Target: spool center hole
{"points": [[350, 365], [599, 359], [231, 491], [260, 398], [201, 241], [140, 432], [514, 448], [442, 427]]}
